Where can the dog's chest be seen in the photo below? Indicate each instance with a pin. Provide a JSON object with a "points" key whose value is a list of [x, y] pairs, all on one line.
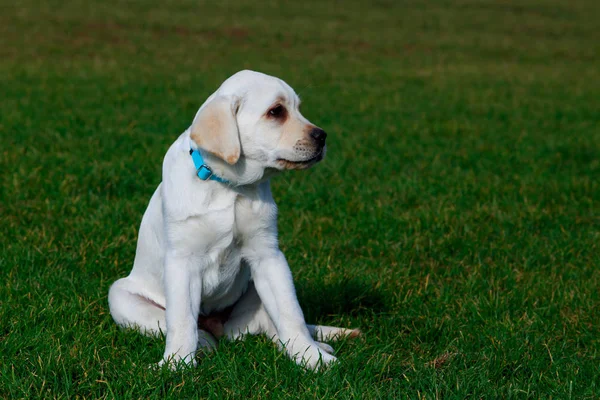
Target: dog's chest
{"points": [[225, 275]]}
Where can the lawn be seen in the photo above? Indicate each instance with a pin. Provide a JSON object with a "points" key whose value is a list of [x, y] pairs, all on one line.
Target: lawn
{"points": [[455, 220]]}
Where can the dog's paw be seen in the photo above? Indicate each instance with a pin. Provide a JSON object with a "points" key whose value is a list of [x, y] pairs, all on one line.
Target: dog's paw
{"points": [[175, 362], [206, 342], [326, 347], [317, 360], [311, 355]]}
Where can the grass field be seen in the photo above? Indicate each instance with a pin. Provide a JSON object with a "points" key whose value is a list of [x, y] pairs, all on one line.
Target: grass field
{"points": [[456, 219]]}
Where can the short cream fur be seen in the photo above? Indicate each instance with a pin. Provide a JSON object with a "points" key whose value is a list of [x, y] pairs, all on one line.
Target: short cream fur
{"points": [[204, 246]]}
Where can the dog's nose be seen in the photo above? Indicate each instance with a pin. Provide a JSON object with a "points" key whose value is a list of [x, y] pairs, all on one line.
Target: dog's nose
{"points": [[319, 135]]}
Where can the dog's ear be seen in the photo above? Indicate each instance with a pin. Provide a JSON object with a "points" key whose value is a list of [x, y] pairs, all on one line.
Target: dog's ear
{"points": [[215, 129]]}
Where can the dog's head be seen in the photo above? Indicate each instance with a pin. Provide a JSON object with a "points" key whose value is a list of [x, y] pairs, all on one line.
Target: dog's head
{"points": [[254, 119]]}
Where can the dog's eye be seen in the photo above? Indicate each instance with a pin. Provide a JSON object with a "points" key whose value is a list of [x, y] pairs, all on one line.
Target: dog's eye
{"points": [[277, 112]]}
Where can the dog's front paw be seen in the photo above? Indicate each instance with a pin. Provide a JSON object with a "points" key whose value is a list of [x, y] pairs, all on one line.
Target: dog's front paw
{"points": [[310, 354], [175, 362]]}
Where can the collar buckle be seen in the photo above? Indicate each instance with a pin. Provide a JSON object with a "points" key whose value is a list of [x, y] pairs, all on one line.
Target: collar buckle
{"points": [[204, 172]]}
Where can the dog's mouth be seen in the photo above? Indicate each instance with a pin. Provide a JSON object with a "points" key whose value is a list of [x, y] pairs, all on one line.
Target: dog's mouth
{"points": [[287, 164]]}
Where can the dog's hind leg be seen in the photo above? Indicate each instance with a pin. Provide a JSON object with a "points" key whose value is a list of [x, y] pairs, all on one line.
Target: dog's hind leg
{"points": [[131, 306], [249, 317]]}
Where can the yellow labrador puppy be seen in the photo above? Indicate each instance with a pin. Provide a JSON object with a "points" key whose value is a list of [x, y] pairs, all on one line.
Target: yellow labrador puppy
{"points": [[208, 263]]}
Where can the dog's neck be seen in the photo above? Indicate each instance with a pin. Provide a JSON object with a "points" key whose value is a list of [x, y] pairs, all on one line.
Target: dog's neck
{"points": [[245, 172]]}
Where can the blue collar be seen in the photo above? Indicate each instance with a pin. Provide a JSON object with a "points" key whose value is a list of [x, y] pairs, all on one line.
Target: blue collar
{"points": [[202, 170]]}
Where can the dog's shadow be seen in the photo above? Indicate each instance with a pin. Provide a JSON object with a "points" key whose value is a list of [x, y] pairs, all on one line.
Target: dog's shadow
{"points": [[347, 297]]}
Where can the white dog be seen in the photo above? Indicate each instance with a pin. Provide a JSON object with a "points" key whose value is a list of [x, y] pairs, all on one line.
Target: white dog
{"points": [[207, 262]]}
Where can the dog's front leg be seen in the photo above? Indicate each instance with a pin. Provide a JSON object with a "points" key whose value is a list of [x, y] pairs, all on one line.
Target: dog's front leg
{"points": [[182, 292], [275, 287]]}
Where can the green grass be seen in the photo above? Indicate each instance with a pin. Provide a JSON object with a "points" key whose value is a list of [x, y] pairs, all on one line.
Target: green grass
{"points": [[455, 220]]}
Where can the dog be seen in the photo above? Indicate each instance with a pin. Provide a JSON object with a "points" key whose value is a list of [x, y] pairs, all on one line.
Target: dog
{"points": [[208, 263]]}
